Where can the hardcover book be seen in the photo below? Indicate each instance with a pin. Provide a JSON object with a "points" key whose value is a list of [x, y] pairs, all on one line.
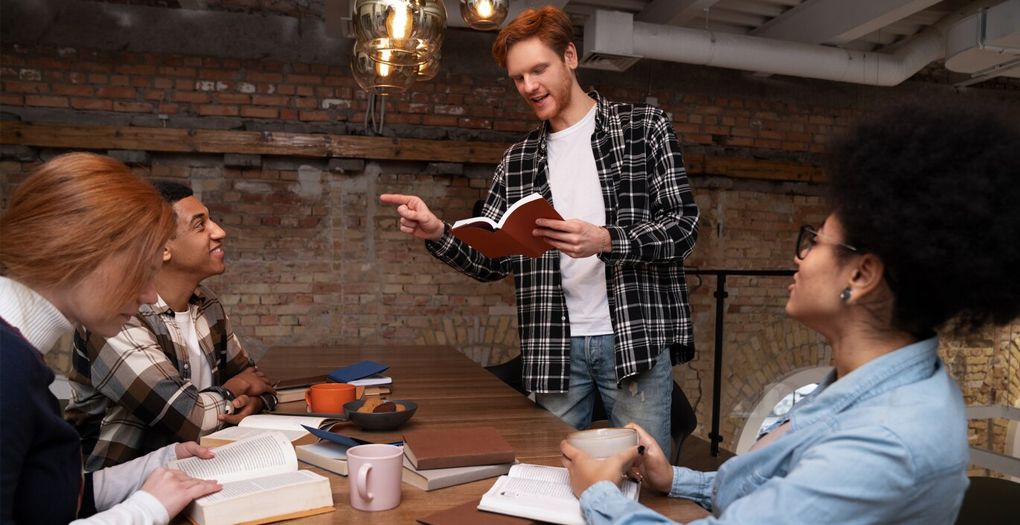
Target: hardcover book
{"points": [[359, 370], [512, 234], [540, 493], [332, 457], [261, 483], [457, 447]]}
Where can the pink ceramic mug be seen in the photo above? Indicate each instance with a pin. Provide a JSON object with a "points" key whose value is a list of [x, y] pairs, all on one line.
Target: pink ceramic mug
{"points": [[374, 475]]}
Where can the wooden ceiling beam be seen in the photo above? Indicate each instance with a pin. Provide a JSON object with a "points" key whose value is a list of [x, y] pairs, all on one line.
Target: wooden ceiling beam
{"points": [[320, 145]]}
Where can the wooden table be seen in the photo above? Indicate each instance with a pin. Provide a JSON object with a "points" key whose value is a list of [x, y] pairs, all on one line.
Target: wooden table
{"points": [[450, 390]]}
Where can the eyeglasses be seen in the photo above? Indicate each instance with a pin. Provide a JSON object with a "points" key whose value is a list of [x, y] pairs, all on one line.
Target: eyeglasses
{"points": [[808, 238]]}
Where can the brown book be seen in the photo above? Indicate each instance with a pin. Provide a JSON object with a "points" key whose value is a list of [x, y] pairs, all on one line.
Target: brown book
{"points": [[512, 234], [468, 514], [457, 447]]}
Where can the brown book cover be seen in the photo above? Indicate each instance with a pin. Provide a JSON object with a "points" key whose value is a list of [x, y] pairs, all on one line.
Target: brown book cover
{"points": [[457, 447], [512, 234], [468, 514]]}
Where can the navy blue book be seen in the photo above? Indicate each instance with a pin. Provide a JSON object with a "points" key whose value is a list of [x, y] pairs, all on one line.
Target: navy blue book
{"points": [[357, 371]]}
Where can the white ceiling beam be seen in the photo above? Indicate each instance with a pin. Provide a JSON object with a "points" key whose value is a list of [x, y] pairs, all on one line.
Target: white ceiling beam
{"points": [[673, 12], [838, 21]]}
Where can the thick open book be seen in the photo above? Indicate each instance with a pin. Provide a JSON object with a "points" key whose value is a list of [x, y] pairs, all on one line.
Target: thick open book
{"points": [[512, 234], [255, 424], [261, 483], [540, 493]]}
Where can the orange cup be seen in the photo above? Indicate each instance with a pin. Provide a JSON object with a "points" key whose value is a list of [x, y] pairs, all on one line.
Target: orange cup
{"points": [[329, 397]]}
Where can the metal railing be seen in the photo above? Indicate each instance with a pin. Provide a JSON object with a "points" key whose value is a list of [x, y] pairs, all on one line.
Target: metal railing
{"points": [[720, 311]]}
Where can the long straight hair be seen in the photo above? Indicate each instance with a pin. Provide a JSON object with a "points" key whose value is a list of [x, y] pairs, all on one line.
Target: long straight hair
{"points": [[74, 212]]}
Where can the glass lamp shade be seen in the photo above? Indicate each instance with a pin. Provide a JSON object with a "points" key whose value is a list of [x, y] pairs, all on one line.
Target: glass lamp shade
{"points": [[430, 69], [380, 78], [484, 15], [411, 30]]}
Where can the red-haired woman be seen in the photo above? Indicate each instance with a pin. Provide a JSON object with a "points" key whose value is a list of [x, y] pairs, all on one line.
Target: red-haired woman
{"points": [[81, 243]]}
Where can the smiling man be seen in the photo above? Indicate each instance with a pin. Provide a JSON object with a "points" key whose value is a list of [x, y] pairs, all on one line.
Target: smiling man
{"points": [[607, 310], [176, 371]]}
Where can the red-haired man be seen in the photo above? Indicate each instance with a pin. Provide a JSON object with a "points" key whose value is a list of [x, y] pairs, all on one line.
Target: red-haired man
{"points": [[609, 309]]}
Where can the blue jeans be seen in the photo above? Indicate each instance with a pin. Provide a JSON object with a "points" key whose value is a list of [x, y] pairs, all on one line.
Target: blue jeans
{"points": [[644, 399]]}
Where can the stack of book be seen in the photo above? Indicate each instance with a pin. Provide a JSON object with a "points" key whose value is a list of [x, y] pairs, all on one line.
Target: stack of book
{"points": [[433, 459], [365, 375]]}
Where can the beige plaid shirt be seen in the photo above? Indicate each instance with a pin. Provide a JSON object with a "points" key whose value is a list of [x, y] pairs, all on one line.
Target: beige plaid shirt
{"points": [[132, 393]]}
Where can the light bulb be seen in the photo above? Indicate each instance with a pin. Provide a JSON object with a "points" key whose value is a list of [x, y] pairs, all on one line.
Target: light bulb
{"points": [[398, 21], [484, 15], [484, 9], [382, 68]]}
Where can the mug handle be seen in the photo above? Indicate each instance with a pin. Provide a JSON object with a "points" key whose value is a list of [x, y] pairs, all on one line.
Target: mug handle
{"points": [[361, 485], [308, 397]]}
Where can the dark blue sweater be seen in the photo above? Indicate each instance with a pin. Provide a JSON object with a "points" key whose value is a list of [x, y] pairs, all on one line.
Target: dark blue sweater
{"points": [[40, 454]]}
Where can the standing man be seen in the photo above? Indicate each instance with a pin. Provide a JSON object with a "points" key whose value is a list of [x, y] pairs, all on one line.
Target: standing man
{"points": [[610, 308], [176, 371]]}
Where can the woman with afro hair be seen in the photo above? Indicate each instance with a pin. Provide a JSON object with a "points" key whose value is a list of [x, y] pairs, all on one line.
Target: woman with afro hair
{"points": [[922, 238]]}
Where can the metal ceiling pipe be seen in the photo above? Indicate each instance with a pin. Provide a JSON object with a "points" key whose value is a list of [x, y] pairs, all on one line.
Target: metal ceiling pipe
{"points": [[696, 46], [749, 53]]}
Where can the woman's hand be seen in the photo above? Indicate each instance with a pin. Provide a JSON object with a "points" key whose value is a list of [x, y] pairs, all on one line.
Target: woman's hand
{"points": [[586, 471], [190, 448], [175, 489], [652, 468]]}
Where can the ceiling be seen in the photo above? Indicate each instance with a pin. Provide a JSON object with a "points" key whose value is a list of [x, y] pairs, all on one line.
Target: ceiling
{"points": [[888, 34]]}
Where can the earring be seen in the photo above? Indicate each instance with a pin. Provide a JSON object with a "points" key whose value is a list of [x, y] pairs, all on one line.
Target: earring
{"points": [[845, 294]]}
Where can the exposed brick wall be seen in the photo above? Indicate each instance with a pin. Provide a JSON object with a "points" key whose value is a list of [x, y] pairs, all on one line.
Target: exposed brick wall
{"points": [[314, 259]]}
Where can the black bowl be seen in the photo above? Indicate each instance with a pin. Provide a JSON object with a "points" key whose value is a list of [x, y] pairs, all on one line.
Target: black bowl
{"points": [[380, 420]]}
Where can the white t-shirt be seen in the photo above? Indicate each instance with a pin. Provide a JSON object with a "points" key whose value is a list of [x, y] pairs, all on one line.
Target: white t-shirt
{"points": [[577, 194], [201, 373]]}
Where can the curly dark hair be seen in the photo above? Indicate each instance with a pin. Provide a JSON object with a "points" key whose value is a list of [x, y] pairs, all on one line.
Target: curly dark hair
{"points": [[935, 193]]}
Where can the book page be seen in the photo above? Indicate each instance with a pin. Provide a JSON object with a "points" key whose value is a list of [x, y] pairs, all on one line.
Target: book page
{"points": [[478, 222], [238, 433], [245, 487], [559, 475], [261, 455], [534, 499], [540, 472], [282, 422]]}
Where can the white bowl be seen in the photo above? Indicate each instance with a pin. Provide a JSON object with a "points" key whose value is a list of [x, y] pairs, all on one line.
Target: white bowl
{"points": [[602, 443]]}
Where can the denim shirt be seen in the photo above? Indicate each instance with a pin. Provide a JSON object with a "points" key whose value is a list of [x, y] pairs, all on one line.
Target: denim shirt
{"points": [[887, 443]]}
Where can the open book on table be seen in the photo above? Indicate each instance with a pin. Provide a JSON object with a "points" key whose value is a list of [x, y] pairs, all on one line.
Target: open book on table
{"points": [[261, 483], [540, 493], [512, 234], [290, 425]]}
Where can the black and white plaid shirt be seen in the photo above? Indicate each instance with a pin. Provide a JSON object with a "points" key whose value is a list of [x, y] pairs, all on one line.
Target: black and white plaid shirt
{"points": [[652, 220]]}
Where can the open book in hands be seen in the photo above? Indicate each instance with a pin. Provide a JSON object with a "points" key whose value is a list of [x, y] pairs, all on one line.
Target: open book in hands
{"points": [[512, 234], [541, 493], [261, 483]]}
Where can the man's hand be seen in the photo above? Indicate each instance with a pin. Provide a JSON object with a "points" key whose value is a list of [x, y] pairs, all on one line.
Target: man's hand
{"points": [[586, 471], [244, 405], [250, 381], [652, 468], [190, 448], [415, 217], [574, 237], [175, 489]]}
